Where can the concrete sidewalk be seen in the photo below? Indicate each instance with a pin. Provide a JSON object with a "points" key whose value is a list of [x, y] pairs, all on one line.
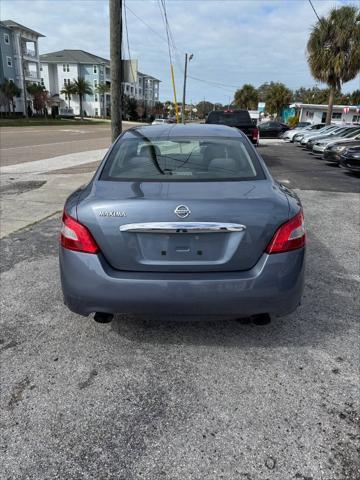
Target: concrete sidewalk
{"points": [[25, 200]]}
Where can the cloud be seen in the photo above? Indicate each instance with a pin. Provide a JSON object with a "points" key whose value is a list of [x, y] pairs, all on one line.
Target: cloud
{"points": [[233, 41]]}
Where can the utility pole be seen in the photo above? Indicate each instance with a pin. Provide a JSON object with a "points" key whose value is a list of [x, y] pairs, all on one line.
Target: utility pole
{"points": [[115, 12], [184, 90]]}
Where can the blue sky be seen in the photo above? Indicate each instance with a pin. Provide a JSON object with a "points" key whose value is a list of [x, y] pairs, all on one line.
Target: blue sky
{"points": [[233, 41]]}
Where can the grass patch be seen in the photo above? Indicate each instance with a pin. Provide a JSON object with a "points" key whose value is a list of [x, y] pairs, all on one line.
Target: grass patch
{"points": [[30, 122]]}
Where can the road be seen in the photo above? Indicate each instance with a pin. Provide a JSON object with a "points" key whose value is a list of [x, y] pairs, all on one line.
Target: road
{"points": [[26, 144], [149, 399]]}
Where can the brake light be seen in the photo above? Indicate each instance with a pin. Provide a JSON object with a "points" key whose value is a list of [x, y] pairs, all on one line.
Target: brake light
{"points": [[75, 236], [290, 236], [255, 133]]}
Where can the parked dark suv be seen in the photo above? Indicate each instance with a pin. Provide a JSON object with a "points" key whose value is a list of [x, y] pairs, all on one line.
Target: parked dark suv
{"points": [[235, 118]]}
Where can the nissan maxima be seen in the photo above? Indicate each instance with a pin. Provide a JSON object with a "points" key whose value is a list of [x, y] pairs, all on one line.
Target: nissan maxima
{"points": [[182, 220]]}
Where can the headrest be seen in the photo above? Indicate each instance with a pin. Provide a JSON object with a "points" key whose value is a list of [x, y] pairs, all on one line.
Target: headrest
{"points": [[215, 151], [224, 165], [149, 150]]}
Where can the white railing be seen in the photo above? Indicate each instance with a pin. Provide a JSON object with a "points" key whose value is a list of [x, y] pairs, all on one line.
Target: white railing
{"points": [[31, 74], [29, 53]]}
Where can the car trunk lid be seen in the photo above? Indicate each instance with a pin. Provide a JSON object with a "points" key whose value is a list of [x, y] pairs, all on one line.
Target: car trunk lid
{"points": [[227, 229]]}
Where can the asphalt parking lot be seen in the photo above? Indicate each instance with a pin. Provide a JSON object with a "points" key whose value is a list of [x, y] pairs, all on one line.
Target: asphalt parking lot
{"points": [[153, 399]]}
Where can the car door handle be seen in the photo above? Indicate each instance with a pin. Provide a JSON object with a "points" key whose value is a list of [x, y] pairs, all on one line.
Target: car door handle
{"points": [[182, 227]]}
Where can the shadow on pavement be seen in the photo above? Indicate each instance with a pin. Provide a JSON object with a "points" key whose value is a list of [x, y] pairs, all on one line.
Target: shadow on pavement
{"points": [[321, 314]]}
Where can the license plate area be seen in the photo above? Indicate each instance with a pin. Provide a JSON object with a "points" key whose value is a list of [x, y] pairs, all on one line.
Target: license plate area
{"points": [[179, 248]]}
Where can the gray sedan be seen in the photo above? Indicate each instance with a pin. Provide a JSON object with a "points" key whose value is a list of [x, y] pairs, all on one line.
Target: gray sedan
{"points": [[182, 220]]}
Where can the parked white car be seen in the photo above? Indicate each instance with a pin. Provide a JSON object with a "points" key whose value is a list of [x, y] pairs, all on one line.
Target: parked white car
{"points": [[160, 121]]}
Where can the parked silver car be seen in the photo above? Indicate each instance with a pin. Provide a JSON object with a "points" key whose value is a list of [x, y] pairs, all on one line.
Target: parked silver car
{"points": [[318, 146], [182, 220], [290, 134], [306, 134]]}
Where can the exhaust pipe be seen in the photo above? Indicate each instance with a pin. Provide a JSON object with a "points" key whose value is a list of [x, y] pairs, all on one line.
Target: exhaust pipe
{"points": [[101, 317]]}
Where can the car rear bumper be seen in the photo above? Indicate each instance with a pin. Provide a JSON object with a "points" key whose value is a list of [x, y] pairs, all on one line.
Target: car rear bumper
{"points": [[274, 285]]}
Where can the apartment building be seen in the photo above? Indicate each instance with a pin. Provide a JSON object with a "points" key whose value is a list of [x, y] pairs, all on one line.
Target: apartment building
{"points": [[63, 67], [19, 58]]}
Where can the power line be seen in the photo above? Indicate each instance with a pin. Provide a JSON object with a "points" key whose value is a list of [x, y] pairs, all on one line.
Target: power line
{"points": [[175, 49], [312, 6]]}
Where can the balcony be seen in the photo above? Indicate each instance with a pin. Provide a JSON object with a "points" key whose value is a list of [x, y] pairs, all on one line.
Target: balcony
{"points": [[31, 74], [29, 53]]}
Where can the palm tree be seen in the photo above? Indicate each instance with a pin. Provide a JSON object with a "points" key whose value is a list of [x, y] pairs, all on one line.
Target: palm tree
{"points": [[10, 90], [67, 90], [246, 97], [102, 89], [334, 50], [277, 97], [81, 87]]}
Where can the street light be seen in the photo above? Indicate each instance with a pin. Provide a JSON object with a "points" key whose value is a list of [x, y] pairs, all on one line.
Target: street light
{"points": [[184, 90]]}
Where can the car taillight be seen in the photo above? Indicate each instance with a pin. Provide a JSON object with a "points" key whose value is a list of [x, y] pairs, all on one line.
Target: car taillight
{"points": [[290, 236], [75, 236], [255, 133]]}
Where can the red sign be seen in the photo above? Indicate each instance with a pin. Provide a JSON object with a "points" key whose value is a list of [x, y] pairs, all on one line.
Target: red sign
{"points": [[346, 109]]}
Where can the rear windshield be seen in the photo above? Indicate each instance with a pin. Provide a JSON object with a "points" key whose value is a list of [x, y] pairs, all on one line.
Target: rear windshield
{"points": [[136, 157], [232, 119]]}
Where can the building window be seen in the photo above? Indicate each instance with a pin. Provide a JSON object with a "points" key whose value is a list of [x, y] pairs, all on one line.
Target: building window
{"points": [[6, 39], [66, 67], [42, 82], [41, 69], [9, 61], [356, 118], [101, 69], [336, 115], [96, 98], [67, 81], [95, 83], [95, 69], [96, 112]]}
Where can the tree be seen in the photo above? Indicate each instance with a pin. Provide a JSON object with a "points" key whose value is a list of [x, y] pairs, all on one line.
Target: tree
{"points": [[277, 97], [355, 97], [130, 108], [81, 87], [246, 97], [204, 107], [40, 97], [9, 91], [334, 50], [67, 90], [262, 91], [102, 89]]}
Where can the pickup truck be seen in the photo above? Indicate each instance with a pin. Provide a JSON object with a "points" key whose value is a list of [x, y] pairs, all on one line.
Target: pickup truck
{"points": [[235, 118]]}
